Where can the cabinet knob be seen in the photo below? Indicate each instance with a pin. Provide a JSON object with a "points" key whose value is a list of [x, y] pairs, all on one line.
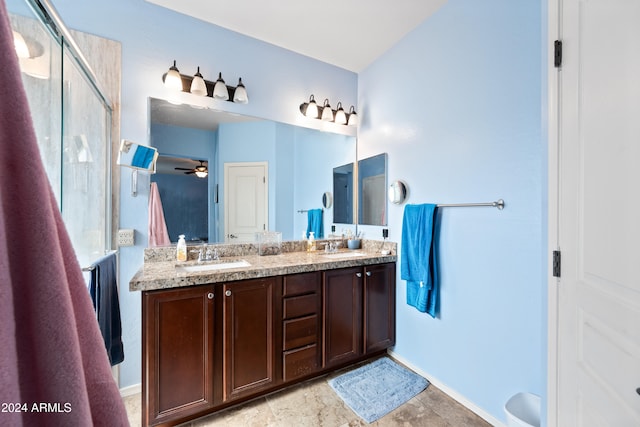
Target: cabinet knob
{"points": [[210, 295], [368, 274], [228, 293], [358, 274], [638, 390]]}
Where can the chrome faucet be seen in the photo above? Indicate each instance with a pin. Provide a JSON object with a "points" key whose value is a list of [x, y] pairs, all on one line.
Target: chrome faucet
{"points": [[206, 254]]}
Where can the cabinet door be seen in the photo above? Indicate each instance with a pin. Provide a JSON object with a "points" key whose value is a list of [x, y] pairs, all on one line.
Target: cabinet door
{"points": [[249, 342], [178, 345], [379, 307], [342, 307]]}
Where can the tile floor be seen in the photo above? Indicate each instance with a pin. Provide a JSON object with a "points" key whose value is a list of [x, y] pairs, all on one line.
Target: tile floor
{"points": [[314, 403]]}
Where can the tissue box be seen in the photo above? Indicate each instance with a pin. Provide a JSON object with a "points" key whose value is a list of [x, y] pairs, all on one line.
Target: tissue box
{"points": [[269, 243]]}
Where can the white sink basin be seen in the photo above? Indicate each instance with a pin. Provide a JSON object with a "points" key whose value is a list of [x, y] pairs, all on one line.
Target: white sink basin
{"points": [[196, 268], [344, 254]]}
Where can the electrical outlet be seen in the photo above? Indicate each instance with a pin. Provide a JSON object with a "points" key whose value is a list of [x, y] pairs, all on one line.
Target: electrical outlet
{"points": [[125, 237]]}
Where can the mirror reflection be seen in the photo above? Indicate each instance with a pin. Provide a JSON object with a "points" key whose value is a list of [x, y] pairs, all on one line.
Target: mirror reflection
{"points": [[372, 190], [343, 194], [183, 186], [299, 165]]}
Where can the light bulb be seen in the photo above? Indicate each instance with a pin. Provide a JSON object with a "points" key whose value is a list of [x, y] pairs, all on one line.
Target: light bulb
{"points": [[198, 86], [327, 112], [341, 117], [172, 79], [220, 89], [240, 95], [312, 108]]}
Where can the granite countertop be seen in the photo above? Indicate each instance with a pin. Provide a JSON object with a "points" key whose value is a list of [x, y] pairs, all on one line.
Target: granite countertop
{"points": [[164, 275]]}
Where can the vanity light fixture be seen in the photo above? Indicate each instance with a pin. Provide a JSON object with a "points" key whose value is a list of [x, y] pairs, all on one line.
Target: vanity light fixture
{"points": [[353, 117], [197, 85], [172, 79], [220, 89], [327, 112], [240, 96], [339, 116]]}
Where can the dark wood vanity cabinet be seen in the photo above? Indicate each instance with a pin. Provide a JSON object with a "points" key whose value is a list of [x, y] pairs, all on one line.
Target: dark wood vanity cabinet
{"points": [[301, 325], [249, 353], [379, 307], [208, 347], [342, 295], [178, 359], [359, 312]]}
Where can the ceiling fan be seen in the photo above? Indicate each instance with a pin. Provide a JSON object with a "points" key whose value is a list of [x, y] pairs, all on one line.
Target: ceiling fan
{"points": [[201, 170]]}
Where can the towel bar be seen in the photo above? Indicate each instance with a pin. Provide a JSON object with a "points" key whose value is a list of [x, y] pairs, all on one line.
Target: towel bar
{"points": [[497, 204], [306, 210]]}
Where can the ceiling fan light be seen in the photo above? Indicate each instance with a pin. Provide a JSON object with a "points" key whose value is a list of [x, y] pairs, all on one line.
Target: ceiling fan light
{"points": [[327, 112], [341, 116], [240, 95], [172, 79], [220, 90], [198, 86], [201, 173]]}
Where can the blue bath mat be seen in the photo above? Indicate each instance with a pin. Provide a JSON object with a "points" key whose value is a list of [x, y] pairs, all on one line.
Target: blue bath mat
{"points": [[377, 388]]}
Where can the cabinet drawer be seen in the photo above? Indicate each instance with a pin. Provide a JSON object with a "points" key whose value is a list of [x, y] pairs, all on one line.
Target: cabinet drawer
{"points": [[300, 332], [303, 283], [300, 306], [300, 362]]}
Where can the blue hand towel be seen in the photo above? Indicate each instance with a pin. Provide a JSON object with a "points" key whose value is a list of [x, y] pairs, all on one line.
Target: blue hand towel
{"points": [[418, 262], [315, 223], [103, 288]]}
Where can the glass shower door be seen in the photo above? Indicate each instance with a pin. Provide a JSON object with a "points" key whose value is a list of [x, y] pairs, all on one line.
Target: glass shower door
{"points": [[72, 122]]}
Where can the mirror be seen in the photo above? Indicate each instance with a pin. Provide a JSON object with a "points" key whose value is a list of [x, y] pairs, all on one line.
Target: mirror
{"points": [[372, 190], [343, 194], [136, 156], [300, 162]]}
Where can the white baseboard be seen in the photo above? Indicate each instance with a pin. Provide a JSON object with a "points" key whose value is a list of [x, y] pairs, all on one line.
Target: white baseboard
{"points": [[450, 392], [131, 390]]}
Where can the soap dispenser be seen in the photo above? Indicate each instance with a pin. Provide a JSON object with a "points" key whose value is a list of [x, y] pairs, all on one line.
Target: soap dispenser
{"points": [[311, 243], [181, 251]]}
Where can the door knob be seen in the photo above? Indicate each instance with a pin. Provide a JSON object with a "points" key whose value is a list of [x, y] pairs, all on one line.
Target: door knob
{"points": [[228, 293], [233, 236], [210, 295]]}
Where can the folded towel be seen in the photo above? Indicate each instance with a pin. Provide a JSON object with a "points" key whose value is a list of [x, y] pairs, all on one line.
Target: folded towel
{"points": [[315, 223], [52, 351], [143, 157], [158, 234], [418, 261], [103, 288]]}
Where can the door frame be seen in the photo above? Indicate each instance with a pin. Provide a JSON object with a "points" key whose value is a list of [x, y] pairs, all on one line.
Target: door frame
{"points": [[554, 76]]}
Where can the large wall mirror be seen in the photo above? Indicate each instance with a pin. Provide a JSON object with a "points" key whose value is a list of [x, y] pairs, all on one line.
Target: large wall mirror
{"points": [[372, 190], [299, 169]]}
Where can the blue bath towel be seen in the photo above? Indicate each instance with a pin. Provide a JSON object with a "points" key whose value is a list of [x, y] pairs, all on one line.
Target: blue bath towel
{"points": [[315, 223], [103, 288], [418, 262]]}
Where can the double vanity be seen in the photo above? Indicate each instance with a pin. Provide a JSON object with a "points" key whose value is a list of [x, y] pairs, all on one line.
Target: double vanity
{"points": [[221, 332]]}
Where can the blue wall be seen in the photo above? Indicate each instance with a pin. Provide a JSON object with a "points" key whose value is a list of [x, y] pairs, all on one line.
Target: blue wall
{"points": [[277, 81], [457, 105]]}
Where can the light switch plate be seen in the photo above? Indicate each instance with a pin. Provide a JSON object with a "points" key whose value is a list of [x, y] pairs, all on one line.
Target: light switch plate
{"points": [[126, 237]]}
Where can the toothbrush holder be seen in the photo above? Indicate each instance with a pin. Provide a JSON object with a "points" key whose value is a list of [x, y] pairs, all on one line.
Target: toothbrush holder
{"points": [[353, 243]]}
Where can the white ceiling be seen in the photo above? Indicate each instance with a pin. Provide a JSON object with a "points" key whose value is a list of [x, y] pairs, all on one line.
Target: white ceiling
{"points": [[350, 34]]}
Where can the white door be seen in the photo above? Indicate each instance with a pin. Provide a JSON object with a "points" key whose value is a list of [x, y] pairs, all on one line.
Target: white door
{"points": [[245, 201], [595, 215]]}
